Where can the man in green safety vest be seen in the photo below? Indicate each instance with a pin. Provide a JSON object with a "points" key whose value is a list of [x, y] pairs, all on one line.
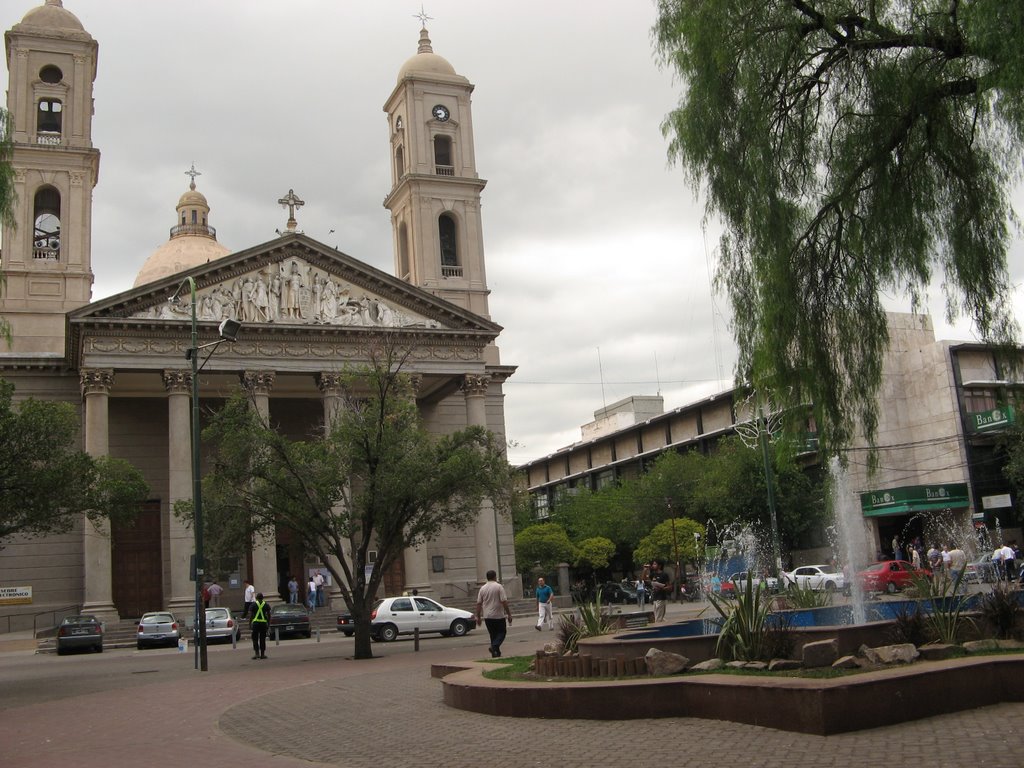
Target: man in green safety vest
{"points": [[258, 626]]}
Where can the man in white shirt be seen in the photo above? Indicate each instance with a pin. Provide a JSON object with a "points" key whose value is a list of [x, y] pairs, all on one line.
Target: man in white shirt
{"points": [[492, 609], [248, 599]]}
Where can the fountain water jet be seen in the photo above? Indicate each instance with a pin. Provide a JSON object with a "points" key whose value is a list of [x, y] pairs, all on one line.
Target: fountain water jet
{"points": [[851, 541]]}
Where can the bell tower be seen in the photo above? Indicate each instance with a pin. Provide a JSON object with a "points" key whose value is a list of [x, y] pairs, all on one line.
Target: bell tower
{"points": [[435, 189], [46, 256]]}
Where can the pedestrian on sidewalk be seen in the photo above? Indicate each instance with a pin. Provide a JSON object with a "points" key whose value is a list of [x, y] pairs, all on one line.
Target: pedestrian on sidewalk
{"points": [[215, 591], [311, 595], [661, 586], [544, 605], [293, 590], [492, 609], [247, 598], [259, 626], [319, 581]]}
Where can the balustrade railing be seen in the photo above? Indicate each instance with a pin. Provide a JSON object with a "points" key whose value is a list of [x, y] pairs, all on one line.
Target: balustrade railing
{"points": [[444, 170], [451, 271]]}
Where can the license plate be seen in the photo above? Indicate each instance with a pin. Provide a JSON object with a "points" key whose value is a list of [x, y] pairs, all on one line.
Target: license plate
{"points": [[79, 631], [289, 628]]}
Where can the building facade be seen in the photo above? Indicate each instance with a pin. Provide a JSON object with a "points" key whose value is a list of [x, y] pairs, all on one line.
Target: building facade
{"points": [[943, 408], [308, 311]]}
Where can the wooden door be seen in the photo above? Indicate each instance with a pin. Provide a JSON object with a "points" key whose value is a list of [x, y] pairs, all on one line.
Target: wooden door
{"points": [[138, 567]]}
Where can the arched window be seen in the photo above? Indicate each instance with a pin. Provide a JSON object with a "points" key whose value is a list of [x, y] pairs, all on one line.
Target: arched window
{"points": [[48, 117], [448, 238], [403, 251], [46, 216], [399, 163], [443, 165]]}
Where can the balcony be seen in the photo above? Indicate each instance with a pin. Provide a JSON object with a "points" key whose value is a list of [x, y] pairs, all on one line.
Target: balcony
{"points": [[451, 271], [194, 229], [444, 170], [45, 253], [48, 138]]}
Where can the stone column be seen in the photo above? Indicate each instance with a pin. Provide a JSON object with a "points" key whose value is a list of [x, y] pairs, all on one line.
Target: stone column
{"points": [[415, 560], [486, 535], [264, 548], [99, 597], [181, 538], [330, 385]]}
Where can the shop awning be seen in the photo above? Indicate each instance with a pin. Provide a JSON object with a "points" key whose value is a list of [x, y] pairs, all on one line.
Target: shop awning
{"points": [[914, 498]]}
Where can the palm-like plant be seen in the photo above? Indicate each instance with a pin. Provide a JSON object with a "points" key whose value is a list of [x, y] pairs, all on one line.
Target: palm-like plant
{"points": [[744, 622]]}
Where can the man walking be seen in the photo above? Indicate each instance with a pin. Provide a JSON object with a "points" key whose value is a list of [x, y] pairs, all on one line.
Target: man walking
{"points": [[544, 606], [492, 609], [258, 626]]}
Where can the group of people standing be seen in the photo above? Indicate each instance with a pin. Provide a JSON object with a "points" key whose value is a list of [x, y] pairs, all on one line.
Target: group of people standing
{"points": [[315, 596]]}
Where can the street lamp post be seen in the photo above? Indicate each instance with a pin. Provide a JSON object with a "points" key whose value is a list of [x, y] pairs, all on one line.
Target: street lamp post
{"points": [[228, 331]]}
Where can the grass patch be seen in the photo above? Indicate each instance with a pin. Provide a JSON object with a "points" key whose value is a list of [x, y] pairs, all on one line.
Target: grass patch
{"points": [[512, 667]]}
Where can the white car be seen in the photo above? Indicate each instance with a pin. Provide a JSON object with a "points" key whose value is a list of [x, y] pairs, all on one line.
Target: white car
{"points": [[394, 616], [816, 577], [739, 580]]}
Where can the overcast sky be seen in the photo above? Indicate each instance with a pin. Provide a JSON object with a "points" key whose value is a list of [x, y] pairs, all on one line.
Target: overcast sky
{"points": [[597, 263]]}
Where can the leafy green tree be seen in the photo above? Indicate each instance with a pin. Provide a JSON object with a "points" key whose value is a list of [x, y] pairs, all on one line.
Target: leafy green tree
{"points": [[671, 538], [543, 547], [850, 148], [594, 553], [375, 480], [46, 482]]}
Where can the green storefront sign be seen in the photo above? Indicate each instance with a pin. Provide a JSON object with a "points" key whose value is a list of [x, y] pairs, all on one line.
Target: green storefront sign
{"points": [[990, 421], [913, 498]]}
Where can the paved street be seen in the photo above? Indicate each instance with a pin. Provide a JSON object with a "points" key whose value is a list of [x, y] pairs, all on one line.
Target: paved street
{"points": [[310, 704]]}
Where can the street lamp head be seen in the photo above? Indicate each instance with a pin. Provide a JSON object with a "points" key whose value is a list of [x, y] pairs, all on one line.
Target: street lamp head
{"points": [[229, 329]]}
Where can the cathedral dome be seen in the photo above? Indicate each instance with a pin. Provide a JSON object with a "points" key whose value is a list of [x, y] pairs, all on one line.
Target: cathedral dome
{"points": [[425, 62], [53, 16], [193, 241]]}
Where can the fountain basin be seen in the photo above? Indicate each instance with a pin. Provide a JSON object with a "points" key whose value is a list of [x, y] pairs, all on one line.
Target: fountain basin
{"points": [[822, 707]]}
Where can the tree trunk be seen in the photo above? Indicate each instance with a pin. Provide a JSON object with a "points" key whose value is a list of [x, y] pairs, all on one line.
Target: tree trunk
{"points": [[364, 645]]}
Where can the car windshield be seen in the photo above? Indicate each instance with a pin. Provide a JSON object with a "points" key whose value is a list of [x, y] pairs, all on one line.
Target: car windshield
{"points": [[217, 613], [80, 620], [826, 569], [289, 610], [157, 618]]}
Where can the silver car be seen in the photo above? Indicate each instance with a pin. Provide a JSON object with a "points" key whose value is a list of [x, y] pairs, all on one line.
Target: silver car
{"points": [[159, 628], [221, 625]]}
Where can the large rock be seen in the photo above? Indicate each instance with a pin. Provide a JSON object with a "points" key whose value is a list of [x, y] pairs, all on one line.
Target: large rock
{"points": [[822, 653], [937, 651], [710, 665], [783, 665], [902, 653], [846, 662], [991, 644], [665, 662]]}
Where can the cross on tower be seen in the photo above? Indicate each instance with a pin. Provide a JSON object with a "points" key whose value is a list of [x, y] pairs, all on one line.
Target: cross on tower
{"points": [[291, 202], [422, 16], [193, 173]]}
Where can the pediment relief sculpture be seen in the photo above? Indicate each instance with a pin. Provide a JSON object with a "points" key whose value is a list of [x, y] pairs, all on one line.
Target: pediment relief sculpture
{"points": [[291, 292]]}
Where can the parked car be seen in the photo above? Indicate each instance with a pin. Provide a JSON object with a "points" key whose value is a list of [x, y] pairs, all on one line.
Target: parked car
{"points": [[290, 619], [816, 577], [158, 628], [981, 570], [221, 625], [616, 592], [80, 631], [739, 580], [394, 616], [890, 576]]}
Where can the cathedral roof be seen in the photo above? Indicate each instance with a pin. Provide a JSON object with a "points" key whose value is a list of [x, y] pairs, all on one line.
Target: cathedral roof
{"points": [[193, 241], [426, 62], [53, 15]]}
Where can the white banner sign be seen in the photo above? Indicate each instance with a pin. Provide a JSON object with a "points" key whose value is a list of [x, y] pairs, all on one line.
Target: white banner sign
{"points": [[15, 595]]}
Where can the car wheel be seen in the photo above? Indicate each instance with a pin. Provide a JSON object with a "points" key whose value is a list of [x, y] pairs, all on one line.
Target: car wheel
{"points": [[60, 651], [99, 648], [309, 634], [459, 627], [388, 633], [830, 586], [891, 587], [138, 646], [348, 634]]}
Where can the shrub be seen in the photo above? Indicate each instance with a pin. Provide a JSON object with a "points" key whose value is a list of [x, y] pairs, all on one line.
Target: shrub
{"points": [[909, 627], [805, 597], [589, 620], [999, 609], [745, 628], [946, 618]]}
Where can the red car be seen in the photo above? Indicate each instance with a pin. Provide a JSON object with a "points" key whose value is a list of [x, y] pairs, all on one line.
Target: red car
{"points": [[890, 576]]}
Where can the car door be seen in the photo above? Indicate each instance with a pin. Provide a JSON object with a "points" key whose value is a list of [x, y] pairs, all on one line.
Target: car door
{"points": [[806, 578], [432, 617], [401, 614]]}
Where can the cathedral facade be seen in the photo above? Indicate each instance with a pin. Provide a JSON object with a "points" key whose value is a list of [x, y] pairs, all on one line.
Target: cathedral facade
{"points": [[308, 311]]}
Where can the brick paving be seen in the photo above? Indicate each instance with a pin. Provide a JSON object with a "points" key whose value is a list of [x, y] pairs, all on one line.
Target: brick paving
{"points": [[309, 705]]}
